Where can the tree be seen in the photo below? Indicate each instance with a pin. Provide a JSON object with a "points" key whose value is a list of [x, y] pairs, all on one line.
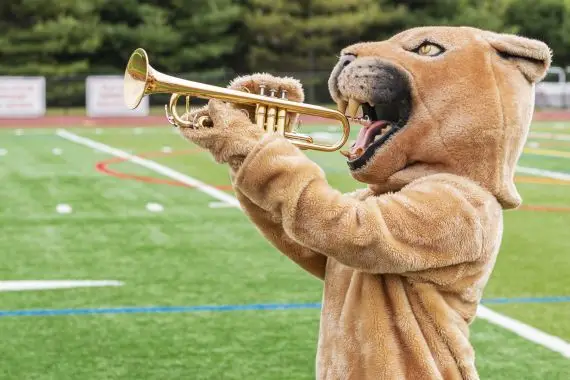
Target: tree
{"points": [[130, 24], [303, 38], [209, 32], [484, 14], [48, 37], [300, 35], [546, 20]]}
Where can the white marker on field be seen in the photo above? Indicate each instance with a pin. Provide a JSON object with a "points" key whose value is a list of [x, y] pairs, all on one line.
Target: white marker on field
{"points": [[3, 152], [98, 131], [544, 173], [166, 149], [533, 144], [154, 207], [19, 132], [537, 336], [221, 205], [14, 286], [56, 151], [549, 136], [137, 131], [63, 208]]}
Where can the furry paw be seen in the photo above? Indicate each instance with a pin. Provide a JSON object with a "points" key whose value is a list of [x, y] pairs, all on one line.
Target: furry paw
{"points": [[252, 84], [231, 135]]}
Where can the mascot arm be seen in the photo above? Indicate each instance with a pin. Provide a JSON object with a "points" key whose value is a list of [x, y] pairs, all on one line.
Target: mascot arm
{"points": [[272, 230], [429, 224]]}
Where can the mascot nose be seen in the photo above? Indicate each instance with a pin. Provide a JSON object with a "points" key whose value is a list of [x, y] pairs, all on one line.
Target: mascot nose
{"points": [[372, 80]]}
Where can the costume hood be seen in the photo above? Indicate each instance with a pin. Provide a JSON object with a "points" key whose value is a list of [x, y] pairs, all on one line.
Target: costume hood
{"points": [[469, 106]]}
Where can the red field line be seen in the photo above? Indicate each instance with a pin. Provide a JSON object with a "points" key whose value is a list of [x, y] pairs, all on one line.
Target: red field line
{"points": [[551, 116], [102, 167]]}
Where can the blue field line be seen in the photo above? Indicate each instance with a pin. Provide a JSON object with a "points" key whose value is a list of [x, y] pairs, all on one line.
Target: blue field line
{"points": [[550, 299], [226, 308], [159, 309]]}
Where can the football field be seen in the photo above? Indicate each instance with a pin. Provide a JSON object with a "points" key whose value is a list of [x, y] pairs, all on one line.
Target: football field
{"points": [[123, 256]]}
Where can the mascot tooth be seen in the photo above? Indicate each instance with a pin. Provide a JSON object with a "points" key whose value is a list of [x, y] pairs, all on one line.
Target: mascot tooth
{"points": [[404, 261]]}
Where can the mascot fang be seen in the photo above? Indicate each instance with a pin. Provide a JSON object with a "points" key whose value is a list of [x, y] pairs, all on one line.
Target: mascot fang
{"points": [[404, 261]]}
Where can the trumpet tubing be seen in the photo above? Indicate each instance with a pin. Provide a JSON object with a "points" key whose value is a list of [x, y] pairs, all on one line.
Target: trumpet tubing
{"points": [[272, 113]]}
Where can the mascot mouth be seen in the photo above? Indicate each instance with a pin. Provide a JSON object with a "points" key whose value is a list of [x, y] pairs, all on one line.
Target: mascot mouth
{"points": [[380, 123]]}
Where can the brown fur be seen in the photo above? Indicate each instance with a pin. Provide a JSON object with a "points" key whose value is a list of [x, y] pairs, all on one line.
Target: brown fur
{"points": [[472, 108], [405, 261]]}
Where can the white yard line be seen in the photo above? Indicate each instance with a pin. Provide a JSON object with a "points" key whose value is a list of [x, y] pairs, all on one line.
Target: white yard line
{"points": [[14, 286], [154, 166], [219, 205], [519, 328], [537, 336], [549, 136], [544, 173]]}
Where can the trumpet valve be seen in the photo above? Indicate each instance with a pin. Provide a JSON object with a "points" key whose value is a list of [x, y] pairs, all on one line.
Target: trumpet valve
{"points": [[271, 116], [169, 116], [187, 105], [260, 110]]}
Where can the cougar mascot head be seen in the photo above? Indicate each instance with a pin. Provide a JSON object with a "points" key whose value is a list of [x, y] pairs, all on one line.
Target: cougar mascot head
{"points": [[404, 260]]}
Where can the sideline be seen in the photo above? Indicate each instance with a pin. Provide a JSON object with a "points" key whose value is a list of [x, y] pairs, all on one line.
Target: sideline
{"points": [[527, 332], [552, 342]]}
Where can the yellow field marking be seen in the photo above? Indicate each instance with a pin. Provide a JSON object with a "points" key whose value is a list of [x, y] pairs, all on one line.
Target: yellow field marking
{"points": [[540, 180], [547, 152]]}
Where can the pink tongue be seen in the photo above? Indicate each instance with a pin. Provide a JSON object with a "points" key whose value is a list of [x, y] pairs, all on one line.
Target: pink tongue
{"points": [[366, 135]]}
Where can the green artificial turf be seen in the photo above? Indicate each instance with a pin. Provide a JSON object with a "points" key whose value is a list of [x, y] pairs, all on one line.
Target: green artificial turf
{"points": [[190, 254]]}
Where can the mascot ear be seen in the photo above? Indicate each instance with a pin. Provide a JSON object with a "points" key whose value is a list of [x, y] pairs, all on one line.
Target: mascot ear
{"points": [[532, 57]]}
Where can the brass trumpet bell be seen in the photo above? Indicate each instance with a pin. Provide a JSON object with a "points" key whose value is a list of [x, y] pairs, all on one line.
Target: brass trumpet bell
{"points": [[272, 112]]}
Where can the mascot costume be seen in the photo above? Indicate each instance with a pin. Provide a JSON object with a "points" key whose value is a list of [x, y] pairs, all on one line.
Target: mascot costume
{"points": [[405, 260]]}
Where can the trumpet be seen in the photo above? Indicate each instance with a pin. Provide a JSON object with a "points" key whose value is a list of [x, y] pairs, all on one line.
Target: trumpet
{"points": [[272, 113]]}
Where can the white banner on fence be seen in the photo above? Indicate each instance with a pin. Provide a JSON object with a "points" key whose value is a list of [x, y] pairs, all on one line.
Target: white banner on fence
{"points": [[104, 97], [22, 96]]}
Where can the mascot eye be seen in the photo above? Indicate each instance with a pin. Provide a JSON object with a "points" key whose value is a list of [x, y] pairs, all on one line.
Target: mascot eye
{"points": [[429, 49]]}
